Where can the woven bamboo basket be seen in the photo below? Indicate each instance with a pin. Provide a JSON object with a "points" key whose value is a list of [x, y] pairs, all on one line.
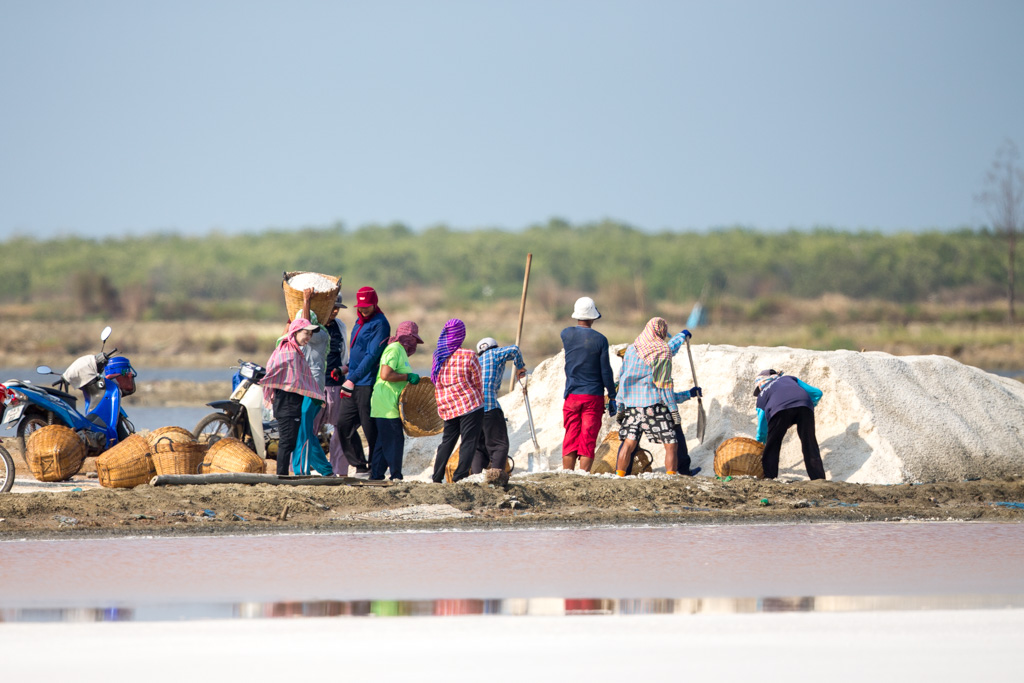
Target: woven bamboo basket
{"points": [[231, 455], [176, 434], [739, 456], [126, 465], [177, 457], [321, 303], [453, 464], [54, 453], [607, 454], [418, 408]]}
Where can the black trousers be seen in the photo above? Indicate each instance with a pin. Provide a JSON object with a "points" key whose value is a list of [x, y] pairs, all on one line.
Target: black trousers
{"points": [[778, 425], [353, 413], [288, 413], [682, 455], [469, 428], [492, 451]]}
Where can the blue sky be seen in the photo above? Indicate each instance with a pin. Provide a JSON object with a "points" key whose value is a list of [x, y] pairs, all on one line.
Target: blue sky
{"points": [[133, 117]]}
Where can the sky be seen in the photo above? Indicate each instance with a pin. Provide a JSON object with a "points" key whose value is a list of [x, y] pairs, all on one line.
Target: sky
{"points": [[126, 117]]}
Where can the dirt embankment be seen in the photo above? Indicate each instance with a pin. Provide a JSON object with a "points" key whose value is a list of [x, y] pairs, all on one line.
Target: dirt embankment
{"points": [[537, 500]]}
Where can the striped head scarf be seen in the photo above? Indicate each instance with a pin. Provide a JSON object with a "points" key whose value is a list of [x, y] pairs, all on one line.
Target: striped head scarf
{"points": [[652, 347], [452, 336], [764, 380]]}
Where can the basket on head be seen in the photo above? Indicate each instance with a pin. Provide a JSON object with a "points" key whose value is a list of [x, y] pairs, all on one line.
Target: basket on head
{"points": [[418, 408], [54, 453], [322, 301], [231, 455], [453, 464], [739, 456], [607, 454], [177, 434], [126, 465], [177, 457]]}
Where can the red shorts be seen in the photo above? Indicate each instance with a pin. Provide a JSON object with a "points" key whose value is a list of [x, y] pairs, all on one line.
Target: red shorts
{"points": [[582, 415]]}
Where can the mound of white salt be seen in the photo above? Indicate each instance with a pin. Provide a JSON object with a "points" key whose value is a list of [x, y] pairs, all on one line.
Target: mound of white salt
{"points": [[883, 419]]}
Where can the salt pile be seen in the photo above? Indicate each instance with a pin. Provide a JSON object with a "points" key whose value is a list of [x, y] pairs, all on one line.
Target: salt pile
{"points": [[314, 281], [883, 419]]}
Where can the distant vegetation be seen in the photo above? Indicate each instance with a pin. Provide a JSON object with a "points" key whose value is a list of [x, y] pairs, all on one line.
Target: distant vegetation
{"points": [[748, 274]]}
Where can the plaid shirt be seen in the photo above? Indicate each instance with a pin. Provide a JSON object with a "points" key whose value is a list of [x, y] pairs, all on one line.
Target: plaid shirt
{"points": [[459, 385], [492, 363], [636, 384]]}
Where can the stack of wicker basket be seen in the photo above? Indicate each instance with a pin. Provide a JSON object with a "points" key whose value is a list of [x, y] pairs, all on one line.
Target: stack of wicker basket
{"points": [[176, 451], [128, 464], [606, 457], [417, 407], [231, 455], [54, 453], [739, 456], [453, 464]]}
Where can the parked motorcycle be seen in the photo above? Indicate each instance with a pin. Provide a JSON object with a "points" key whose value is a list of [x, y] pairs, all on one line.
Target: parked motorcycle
{"points": [[103, 378], [241, 416]]}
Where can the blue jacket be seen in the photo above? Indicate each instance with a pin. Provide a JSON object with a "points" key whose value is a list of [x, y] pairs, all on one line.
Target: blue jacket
{"points": [[785, 392], [368, 342]]}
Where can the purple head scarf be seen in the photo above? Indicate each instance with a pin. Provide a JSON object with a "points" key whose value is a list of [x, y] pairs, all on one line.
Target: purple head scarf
{"points": [[452, 336]]}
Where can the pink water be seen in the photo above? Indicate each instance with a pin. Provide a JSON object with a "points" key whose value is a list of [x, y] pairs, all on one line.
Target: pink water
{"points": [[595, 570]]}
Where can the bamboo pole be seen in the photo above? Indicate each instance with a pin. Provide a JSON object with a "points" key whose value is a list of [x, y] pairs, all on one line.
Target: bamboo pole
{"points": [[522, 312]]}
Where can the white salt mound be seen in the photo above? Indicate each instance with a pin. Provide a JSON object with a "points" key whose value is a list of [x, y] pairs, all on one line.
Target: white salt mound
{"points": [[314, 281], [883, 419]]}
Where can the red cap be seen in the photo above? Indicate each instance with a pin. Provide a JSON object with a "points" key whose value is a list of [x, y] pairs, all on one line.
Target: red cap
{"points": [[366, 296]]}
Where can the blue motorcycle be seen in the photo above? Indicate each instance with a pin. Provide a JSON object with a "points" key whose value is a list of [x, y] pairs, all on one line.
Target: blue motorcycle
{"points": [[103, 378]]}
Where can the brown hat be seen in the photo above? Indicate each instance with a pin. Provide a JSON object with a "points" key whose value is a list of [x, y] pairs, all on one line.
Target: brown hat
{"points": [[409, 328]]}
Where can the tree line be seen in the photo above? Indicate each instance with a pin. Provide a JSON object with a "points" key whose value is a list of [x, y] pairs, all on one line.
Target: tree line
{"points": [[169, 276]]}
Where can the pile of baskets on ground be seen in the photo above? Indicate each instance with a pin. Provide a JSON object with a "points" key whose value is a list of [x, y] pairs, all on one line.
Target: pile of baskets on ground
{"points": [[56, 453]]}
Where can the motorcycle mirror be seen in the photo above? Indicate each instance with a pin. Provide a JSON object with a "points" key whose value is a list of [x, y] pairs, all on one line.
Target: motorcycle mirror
{"points": [[44, 370], [105, 334]]}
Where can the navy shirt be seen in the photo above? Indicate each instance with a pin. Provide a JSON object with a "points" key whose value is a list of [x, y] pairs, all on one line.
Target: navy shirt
{"points": [[587, 368], [367, 346]]}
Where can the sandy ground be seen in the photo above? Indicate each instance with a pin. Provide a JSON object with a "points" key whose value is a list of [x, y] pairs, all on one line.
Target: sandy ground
{"points": [[899, 646], [81, 508]]}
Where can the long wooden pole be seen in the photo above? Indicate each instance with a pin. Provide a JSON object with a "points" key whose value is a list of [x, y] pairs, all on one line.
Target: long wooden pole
{"points": [[522, 312]]}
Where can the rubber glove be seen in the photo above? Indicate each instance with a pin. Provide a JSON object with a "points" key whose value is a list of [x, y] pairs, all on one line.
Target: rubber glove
{"points": [[413, 378], [686, 334], [613, 407], [335, 374], [347, 388], [696, 392]]}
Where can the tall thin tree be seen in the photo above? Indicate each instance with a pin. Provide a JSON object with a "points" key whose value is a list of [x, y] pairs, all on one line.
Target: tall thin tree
{"points": [[1003, 199]]}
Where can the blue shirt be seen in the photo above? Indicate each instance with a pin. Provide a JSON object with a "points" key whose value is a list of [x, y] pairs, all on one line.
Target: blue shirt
{"points": [[368, 344], [785, 392], [492, 365], [587, 368]]}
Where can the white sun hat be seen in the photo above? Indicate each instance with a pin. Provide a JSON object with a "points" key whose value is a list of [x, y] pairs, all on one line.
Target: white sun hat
{"points": [[486, 343], [585, 309]]}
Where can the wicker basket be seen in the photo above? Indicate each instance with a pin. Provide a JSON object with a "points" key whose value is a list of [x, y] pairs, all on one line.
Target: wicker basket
{"points": [[418, 407], [607, 454], [176, 434], [126, 465], [231, 455], [739, 456], [453, 464], [177, 457], [321, 303], [54, 453]]}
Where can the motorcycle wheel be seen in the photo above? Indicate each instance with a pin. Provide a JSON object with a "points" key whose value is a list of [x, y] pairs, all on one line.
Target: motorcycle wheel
{"points": [[6, 470], [213, 427], [34, 421]]}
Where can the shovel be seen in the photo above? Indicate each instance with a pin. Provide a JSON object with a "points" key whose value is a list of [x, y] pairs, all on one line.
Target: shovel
{"points": [[701, 418], [533, 431]]}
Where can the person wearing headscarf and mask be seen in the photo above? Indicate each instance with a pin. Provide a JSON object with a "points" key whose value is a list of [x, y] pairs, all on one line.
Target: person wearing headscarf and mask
{"points": [[649, 403], [291, 388], [395, 373], [784, 401], [458, 380], [369, 336]]}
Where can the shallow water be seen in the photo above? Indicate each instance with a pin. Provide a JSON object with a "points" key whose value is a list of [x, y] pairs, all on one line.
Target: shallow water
{"points": [[674, 570]]}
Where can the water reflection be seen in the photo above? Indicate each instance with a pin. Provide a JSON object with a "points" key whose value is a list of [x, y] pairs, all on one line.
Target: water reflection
{"points": [[546, 607]]}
